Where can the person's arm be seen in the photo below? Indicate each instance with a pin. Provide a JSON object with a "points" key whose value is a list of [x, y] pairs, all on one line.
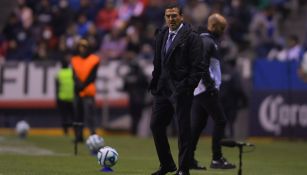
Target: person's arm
{"points": [[196, 62], [92, 76], [90, 79], [196, 65], [207, 51], [156, 61], [77, 83], [57, 87]]}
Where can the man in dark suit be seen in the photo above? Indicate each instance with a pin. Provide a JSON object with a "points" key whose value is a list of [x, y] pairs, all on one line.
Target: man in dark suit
{"points": [[177, 70], [206, 100]]}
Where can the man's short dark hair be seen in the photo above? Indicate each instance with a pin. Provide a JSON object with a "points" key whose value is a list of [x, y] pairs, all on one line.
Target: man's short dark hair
{"points": [[174, 5]]}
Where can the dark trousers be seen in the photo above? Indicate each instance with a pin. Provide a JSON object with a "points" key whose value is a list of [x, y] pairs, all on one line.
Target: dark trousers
{"points": [[204, 105], [163, 111], [136, 110], [67, 114], [84, 115], [231, 114]]}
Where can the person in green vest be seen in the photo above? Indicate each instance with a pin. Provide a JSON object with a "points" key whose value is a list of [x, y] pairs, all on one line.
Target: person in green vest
{"points": [[65, 95]]}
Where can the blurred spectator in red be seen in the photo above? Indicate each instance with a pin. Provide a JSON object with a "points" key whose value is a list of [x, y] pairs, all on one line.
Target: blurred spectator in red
{"points": [[3, 48], [107, 17]]}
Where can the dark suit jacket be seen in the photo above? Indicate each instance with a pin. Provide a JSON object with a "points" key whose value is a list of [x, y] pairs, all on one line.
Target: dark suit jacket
{"points": [[180, 69]]}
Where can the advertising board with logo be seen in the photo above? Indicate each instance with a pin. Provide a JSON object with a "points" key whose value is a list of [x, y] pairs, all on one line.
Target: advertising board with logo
{"points": [[279, 100]]}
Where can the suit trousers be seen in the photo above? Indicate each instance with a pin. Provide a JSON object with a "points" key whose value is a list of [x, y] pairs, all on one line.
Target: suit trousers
{"points": [[164, 109], [204, 105]]}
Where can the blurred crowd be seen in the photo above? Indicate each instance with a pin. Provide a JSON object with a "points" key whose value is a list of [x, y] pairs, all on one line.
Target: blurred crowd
{"points": [[124, 29]]}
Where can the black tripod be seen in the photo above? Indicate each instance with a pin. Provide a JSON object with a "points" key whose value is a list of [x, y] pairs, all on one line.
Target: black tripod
{"points": [[240, 145]]}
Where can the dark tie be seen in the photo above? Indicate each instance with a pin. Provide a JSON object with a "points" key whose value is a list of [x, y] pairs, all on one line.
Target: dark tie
{"points": [[169, 41]]}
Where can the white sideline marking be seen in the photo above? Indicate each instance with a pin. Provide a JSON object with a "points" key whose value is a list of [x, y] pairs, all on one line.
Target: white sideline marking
{"points": [[29, 150], [14, 148]]}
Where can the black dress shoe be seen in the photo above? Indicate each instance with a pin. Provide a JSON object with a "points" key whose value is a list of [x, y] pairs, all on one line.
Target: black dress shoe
{"points": [[222, 163], [182, 173], [164, 170], [196, 166]]}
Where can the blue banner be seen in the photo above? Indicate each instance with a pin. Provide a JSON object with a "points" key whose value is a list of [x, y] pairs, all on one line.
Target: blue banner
{"points": [[276, 75]]}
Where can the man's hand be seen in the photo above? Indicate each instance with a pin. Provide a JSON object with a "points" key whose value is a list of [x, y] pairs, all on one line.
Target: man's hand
{"points": [[79, 86]]}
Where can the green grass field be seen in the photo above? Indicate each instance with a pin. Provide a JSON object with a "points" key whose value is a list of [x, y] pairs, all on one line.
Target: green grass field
{"points": [[45, 155]]}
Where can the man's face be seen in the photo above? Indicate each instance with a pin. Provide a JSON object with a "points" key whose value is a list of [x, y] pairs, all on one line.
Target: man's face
{"points": [[82, 49], [173, 18]]}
